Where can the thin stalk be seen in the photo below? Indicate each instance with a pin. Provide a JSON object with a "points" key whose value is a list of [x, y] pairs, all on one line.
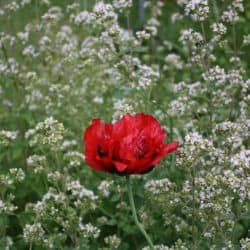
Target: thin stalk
{"points": [[128, 24], [216, 11], [132, 204], [193, 208], [148, 99], [141, 11], [203, 31], [207, 67], [85, 5], [234, 38], [128, 21], [171, 139], [37, 11]]}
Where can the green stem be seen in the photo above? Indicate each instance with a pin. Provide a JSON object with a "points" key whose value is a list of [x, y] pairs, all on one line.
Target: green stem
{"points": [[216, 11], [172, 159], [203, 31], [85, 5], [132, 204], [193, 207], [234, 39]]}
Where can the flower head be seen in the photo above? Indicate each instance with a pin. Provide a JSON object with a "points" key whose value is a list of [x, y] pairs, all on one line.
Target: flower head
{"points": [[132, 145]]}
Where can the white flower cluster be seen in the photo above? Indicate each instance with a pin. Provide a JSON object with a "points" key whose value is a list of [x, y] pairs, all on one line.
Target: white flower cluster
{"points": [[219, 31], [7, 207], [122, 4], [49, 204], [227, 127], [197, 9], [12, 67], [159, 186], [235, 77], [142, 35], [84, 17], [246, 40], [33, 232], [112, 35], [194, 145], [73, 158], [50, 132], [245, 243], [12, 6], [143, 77], [152, 26], [121, 107], [216, 75], [197, 142], [7, 136], [29, 51], [105, 187], [179, 245], [234, 132], [83, 196], [146, 76], [113, 241], [98, 99], [23, 36], [6, 39], [219, 28], [55, 177], [153, 23], [88, 230], [211, 195], [67, 144], [24, 2], [192, 38], [105, 13], [178, 106], [173, 61], [157, 247], [37, 162], [14, 175], [54, 14], [175, 17], [231, 15], [239, 186], [241, 160]]}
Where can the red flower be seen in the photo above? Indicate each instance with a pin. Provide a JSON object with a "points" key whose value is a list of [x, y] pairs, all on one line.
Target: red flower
{"points": [[99, 146], [133, 145]]}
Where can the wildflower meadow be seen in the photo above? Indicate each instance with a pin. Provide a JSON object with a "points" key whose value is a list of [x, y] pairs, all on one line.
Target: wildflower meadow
{"points": [[124, 124]]}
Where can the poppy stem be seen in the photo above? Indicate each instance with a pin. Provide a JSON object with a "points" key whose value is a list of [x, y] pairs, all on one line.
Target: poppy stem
{"points": [[132, 204]]}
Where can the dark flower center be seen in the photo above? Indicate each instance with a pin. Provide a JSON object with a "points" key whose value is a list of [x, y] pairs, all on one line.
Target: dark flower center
{"points": [[101, 152]]}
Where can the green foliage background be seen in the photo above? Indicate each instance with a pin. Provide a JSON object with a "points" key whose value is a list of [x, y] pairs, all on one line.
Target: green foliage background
{"points": [[77, 111]]}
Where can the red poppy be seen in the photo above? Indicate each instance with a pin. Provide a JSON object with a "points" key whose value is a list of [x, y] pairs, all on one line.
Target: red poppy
{"points": [[132, 145], [99, 145]]}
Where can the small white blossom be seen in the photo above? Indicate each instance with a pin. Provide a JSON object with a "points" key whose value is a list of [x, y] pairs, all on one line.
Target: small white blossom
{"points": [[158, 186], [198, 9], [33, 232]]}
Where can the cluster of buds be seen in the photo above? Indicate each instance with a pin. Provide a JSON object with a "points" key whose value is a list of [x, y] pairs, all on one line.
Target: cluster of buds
{"points": [[50, 132]]}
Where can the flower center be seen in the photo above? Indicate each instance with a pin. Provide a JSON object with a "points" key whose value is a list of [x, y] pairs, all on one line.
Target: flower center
{"points": [[101, 152]]}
